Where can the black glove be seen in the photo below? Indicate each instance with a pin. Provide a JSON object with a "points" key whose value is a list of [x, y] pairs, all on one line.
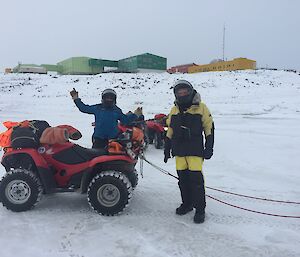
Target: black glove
{"points": [[167, 150], [208, 153], [209, 145], [166, 157]]}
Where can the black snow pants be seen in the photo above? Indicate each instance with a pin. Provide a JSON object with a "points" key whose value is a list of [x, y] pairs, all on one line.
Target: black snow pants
{"points": [[191, 185]]}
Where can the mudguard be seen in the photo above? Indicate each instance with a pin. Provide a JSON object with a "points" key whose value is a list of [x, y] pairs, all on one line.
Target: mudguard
{"points": [[40, 166]]}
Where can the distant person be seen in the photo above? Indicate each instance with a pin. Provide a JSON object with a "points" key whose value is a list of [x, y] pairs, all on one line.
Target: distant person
{"points": [[187, 121], [139, 113], [107, 114]]}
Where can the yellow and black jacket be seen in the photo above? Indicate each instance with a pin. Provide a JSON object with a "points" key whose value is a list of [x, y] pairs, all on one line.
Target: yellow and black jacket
{"points": [[186, 127]]}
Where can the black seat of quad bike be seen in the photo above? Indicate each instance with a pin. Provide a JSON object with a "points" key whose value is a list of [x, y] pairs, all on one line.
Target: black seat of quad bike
{"points": [[88, 153]]}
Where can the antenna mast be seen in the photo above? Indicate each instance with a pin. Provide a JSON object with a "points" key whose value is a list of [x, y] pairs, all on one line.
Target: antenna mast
{"points": [[224, 43]]}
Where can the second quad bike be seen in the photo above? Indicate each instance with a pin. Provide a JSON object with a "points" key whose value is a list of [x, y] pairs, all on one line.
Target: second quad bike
{"points": [[156, 130]]}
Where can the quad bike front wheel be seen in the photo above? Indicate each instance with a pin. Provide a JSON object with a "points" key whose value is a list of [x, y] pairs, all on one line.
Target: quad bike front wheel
{"points": [[20, 190], [109, 192]]}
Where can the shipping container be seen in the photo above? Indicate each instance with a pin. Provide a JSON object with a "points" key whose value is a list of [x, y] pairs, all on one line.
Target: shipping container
{"points": [[7, 70], [180, 68]]}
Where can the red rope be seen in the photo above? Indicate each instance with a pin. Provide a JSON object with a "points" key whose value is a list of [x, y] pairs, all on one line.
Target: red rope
{"points": [[245, 209], [235, 206], [252, 197]]}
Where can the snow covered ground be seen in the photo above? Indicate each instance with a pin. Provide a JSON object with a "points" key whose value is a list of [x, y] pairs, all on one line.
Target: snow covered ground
{"points": [[257, 147]]}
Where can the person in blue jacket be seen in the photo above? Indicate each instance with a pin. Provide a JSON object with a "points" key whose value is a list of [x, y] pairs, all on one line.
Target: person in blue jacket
{"points": [[107, 114]]}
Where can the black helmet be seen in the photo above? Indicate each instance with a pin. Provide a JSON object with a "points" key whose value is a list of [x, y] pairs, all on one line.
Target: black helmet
{"points": [[109, 97], [184, 93]]}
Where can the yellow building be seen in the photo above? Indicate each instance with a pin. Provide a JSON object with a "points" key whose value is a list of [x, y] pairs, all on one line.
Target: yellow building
{"points": [[235, 64]]}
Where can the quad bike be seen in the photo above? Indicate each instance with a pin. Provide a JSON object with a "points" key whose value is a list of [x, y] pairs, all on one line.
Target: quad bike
{"points": [[106, 176], [156, 130]]}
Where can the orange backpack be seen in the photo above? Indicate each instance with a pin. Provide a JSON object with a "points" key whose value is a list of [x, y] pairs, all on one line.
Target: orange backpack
{"points": [[6, 135]]}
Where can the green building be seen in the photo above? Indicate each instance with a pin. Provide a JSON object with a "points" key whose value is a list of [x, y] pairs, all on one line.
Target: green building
{"points": [[90, 66], [103, 64], [84, 66], [29, 68], [52, 67], [143, 63], [78, 66]]}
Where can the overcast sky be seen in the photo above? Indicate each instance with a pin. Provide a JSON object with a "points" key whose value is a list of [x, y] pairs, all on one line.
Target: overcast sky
{"points": [[184, 31]]}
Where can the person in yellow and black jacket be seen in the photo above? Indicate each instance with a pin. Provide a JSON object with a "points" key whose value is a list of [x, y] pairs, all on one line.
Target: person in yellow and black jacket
{"points": [[187, 122]]}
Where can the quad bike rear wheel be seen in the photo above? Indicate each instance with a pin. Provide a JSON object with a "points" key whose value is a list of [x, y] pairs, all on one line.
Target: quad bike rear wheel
{"points": [[20, 190], [109, 192]]}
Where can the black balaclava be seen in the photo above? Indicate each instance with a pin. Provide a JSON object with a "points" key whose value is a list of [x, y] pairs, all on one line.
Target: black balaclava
{"points": [[109, 98], [186, 101]]}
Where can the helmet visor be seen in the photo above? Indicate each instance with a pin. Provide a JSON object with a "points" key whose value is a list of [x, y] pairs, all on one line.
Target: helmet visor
{"points": [[109, 97], [182, 92]]}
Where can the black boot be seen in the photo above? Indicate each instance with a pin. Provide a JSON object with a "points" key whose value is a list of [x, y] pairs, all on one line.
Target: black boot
{"points": [[184, 209], [199, 217], [198, 192], [185, 191]]}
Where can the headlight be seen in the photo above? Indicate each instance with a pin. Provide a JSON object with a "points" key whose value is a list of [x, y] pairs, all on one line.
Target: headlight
{"points": [[165, 128]]}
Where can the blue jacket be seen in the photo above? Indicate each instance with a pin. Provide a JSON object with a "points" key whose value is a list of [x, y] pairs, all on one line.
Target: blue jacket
{"points": [[106, 119]]}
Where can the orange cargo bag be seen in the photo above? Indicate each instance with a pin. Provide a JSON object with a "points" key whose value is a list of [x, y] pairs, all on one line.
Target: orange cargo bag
{"points": [[115, 148], [6, 135]]}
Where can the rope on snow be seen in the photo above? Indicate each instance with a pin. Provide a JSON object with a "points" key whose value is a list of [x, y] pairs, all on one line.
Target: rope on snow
{"points": [[227, 192], [259, 212], [252, 197]]}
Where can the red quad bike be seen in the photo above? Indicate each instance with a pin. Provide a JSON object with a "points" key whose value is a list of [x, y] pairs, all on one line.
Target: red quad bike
{"points": [[156, 130], [108, 177]]}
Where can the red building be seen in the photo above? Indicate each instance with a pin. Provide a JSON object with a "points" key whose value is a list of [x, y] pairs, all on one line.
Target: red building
{"points": [[180, 68]]}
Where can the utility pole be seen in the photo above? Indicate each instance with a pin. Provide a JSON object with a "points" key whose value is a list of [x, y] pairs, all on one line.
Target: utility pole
{"points": [[224, 43]]}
